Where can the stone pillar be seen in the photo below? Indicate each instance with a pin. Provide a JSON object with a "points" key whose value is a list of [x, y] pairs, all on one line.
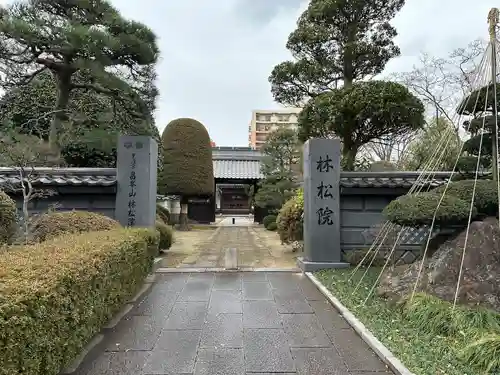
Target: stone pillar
{"points": [[321, 205], [136, 168]]}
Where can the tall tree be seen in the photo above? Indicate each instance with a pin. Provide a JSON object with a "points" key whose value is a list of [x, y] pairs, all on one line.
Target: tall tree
{"points": [[94, 120], [336, 41], [337, 45], [280, 167], [29, 109], [86, 45], [360, 114]]}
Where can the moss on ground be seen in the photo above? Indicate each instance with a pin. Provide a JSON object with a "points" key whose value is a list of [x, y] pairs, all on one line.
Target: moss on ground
{"points": [[423, 352]]}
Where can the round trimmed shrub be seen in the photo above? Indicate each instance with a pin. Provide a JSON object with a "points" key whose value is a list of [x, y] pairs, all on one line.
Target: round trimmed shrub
{"points": [[268, 220], [290, 220], [418, 210], [485, 197], [272, 226], [187, 164], [8, 218], [163, 213], [166, 235], [54, 224]]}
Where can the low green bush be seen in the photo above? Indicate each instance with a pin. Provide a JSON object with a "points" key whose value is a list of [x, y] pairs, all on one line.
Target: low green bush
{"points": [[54, 224], [290, 221], [268, 220], [485, 195], [418, 210], [163, 213], [56, 295], [166, 235], [8, 218], [272, 226]]}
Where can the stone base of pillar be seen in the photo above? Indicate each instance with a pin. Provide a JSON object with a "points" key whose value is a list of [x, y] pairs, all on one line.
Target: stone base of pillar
{"points": [[308, 266]]}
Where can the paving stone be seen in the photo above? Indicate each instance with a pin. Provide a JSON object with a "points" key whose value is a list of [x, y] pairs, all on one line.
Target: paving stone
{"points": [[304, 331], [282, 280], [257, 291], [187, 315], [121, 363], [310, 290], [227, 281], [171, 281], [253, 277], [196, 290], [223, 331], [261, 314], [329, 317], [220, 362], [156, 304], [267, 350], [291, 301], [357, 355], [225, 302], [174, 353], [320, 361], [134, 333], [205, 277]]}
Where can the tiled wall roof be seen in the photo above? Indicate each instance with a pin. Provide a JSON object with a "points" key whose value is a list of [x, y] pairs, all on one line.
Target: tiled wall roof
{"points": [[227, 169]]}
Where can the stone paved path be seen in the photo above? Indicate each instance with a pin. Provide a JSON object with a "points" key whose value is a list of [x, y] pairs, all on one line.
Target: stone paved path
{"points": [[253, 251], [233, 324]]}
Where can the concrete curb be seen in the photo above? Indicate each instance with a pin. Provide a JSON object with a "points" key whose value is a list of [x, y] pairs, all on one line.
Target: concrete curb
{"points": [[124, 312], [220, 270], [380, 349]]}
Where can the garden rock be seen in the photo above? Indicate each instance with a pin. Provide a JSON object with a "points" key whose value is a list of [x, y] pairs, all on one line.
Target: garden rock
{"points": [[480, 275]]}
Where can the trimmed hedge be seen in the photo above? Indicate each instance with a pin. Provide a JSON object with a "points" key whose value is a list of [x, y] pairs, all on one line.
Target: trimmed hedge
{"points": [[290, 221], [56, 295], [268, 220], [418, 210], [166, 235], [54, 224], [485, 197], [187, 164], [163, 213], [8, 218]]}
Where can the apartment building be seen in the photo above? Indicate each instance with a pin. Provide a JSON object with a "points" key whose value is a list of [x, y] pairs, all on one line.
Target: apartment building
{"points": [[265, 121]]}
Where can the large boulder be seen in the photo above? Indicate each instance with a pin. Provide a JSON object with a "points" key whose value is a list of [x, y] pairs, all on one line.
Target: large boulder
{"points": [[480, 276]]}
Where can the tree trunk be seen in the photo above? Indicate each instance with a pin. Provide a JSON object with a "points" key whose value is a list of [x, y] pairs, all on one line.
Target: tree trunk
{"points": [[349, 157], [60, 115], [183, 216], [348, 63]]}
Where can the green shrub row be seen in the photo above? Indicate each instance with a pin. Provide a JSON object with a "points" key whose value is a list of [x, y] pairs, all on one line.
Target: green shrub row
{"points": [[290, 220], [54, 224], [166, 234], [56, 295]]}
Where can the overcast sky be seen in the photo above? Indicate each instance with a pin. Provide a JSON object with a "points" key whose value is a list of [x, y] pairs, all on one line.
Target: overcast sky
{"points": [[216, 56]]}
